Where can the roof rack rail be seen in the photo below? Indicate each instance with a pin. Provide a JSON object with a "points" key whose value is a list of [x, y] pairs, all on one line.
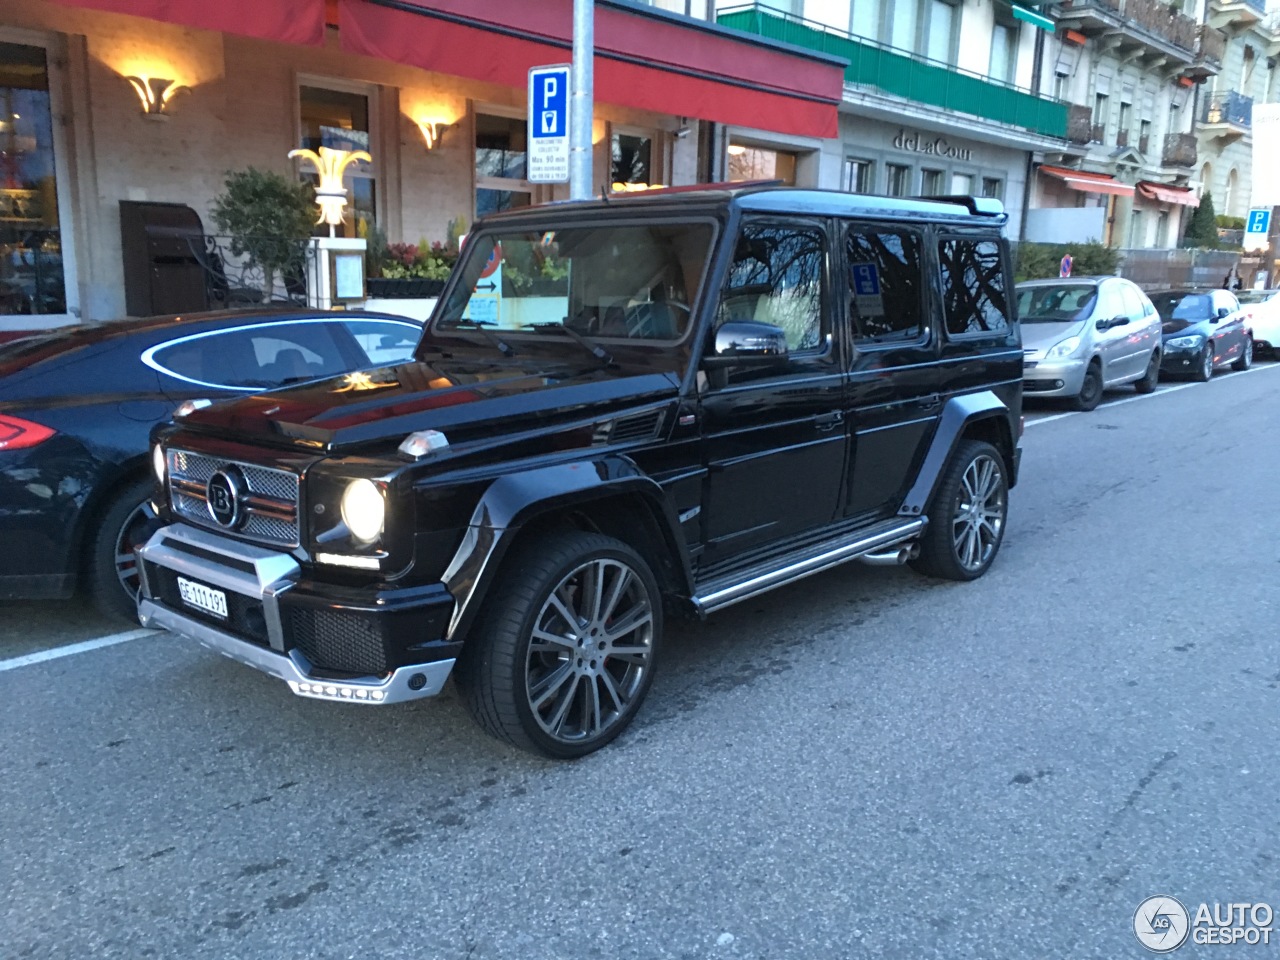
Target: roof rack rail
{"points": [[979, 206]]}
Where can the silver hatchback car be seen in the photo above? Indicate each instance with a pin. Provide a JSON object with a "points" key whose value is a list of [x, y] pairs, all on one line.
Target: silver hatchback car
{"points": [[1081, 336]]}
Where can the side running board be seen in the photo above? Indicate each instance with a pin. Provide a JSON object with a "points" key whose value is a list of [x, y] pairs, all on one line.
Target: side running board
{"points": [[744, 584]]}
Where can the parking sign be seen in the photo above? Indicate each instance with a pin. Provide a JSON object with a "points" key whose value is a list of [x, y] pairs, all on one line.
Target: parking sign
{"points": [[1259, 221], [549, 124]]}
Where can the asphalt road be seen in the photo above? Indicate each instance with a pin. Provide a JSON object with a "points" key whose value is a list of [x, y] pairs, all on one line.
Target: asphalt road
{"points": [[865, 764]]}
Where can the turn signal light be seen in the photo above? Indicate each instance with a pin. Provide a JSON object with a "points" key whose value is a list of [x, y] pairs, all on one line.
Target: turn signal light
{"points": [[19, 434]]}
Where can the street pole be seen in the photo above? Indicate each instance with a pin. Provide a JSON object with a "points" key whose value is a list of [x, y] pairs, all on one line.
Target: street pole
{"points": [[581, 98]]}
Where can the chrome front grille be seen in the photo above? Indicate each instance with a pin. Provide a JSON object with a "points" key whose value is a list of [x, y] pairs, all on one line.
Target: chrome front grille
{"points": [[270, 511]]}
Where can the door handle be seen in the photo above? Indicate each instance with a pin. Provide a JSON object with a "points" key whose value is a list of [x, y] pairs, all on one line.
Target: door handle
{"points": [[827, 421], [932, 400]]}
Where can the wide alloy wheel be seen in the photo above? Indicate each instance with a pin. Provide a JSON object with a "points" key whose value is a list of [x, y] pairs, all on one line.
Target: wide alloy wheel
{"points": [[1245, 360], [1151, 378], [1204, 372], [562, 663], [968, 515], [1090, 394], [112, 572]]}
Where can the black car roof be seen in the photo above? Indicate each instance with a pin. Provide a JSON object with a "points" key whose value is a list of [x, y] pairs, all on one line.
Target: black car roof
{"points": [[770, 198]]}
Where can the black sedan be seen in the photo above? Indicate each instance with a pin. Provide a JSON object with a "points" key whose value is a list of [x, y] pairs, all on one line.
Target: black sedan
{"points": [[76, 408], [1203, 329]]}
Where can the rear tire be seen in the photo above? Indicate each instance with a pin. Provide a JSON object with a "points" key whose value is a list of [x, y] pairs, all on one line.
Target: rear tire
{"points": [[1151, 379], [1090, 394], [1245, 360], [111, 576], [968, 515], [564, 653]]}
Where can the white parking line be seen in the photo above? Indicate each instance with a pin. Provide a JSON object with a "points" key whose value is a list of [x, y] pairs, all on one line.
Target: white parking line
{"points": [[73, 648], [1164, 391]]}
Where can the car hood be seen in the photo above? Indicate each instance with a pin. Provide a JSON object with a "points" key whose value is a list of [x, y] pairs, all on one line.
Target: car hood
{"points": [[1185, 328], [1039, 337], [464, 399]]}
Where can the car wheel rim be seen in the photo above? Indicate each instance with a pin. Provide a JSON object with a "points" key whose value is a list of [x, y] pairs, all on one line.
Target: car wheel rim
{"points": [[979, 516], [126, 540], [1092, 384], [1248, 352], [590, 652], [1208, 362]]}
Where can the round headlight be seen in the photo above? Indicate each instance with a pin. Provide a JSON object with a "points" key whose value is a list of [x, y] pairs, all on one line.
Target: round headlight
{"points": [[363, 510], [157, 462]]}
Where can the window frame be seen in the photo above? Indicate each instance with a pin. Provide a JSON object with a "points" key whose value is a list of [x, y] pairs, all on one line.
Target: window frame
{"points": [[831, 330], [858, 346], [1006, 269], [372, 171], [659, 150], [870, 167]]}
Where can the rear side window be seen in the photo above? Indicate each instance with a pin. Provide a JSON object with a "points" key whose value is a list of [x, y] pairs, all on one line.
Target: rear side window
{"points": [[885, 284], [975, 296], [257, 357], [1133, 305]]}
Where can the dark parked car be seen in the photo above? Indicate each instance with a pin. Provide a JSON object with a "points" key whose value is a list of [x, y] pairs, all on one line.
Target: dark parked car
{"points": [[711, 394], [76, 407], [1203, 329]]}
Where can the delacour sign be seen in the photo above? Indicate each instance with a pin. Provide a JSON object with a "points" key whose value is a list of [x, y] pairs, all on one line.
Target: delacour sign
{"points": [[937, 146]]}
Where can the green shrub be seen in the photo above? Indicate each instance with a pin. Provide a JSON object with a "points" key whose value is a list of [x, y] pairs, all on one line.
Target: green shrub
{"points": [[1037, 260], [1202, 228], [265, 213], [1225, 222]]}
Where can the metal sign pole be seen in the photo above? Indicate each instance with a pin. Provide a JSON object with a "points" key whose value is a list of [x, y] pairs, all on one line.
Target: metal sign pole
{"points": [[581, 98]]}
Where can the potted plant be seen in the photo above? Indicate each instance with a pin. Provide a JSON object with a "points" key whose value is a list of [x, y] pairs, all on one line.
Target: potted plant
{"points": [[268, 217]]}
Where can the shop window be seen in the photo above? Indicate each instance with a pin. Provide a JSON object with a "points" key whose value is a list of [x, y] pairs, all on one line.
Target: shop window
{"points": [[897, 180], [759, 163], [886, 260], [933, 182], [962, 184], [31, 242], [632, 163], [993, 187], [501, 164], [974, 298], [859, 176], [339, 120]]}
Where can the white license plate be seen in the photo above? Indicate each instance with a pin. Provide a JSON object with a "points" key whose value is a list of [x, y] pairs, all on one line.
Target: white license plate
{"points": [[203, 598]]}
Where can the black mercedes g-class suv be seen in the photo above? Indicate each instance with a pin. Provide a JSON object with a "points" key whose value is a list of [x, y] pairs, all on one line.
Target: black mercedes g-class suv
{"points": [[620, 408]]}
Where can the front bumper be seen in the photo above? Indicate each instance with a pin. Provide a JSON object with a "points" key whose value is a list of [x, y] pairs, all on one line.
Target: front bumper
{"points": [[361, 645], [1052, 378], [1181, 359]]}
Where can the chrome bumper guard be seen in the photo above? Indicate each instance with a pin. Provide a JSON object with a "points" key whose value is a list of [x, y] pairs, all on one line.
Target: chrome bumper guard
{"points": [[264, 575]]}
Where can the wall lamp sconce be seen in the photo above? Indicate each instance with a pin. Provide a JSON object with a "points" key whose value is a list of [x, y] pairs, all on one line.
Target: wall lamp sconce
{"points": [[155, 94], [432, 132]]}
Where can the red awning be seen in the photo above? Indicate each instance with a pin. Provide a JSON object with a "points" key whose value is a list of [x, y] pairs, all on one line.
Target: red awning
{"points": [[289, 21], [1164, 193], [1088, 182], [645, 59]]}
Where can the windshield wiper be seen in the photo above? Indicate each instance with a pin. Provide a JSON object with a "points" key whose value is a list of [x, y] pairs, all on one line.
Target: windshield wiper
{"points": [[495, 341], [597, 351]]}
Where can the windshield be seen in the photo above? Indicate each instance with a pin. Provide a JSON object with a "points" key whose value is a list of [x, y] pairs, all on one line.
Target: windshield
{"points": [[635, 282], [1183, 306], [1056, 303]]}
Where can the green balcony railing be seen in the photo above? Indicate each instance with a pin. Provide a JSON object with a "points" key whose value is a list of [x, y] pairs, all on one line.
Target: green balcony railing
{"points": [[906, 74]]}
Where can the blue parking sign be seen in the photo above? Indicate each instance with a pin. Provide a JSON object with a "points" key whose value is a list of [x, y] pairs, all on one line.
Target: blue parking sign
{"points": [[548, 153], [866, 280], [1259, 222]]}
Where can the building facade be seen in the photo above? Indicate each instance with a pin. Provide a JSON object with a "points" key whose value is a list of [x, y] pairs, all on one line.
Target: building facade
{"points": [[939, 97], [1250, 75], [146, 102]]}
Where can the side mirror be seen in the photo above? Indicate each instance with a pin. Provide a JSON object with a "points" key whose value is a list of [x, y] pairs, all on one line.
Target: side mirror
{"points": [[1222, 314], [1105, 324], [745, 341]]}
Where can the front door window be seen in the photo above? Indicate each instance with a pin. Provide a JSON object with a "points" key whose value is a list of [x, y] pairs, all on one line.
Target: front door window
{"points": [[31, 241]]}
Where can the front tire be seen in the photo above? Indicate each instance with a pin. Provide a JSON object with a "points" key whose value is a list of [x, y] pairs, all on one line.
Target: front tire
{"points": [[1245, 360], [1151, 379], [1204, 371], [968, 515], [112, 573], [564, 654], [1090, 394]]}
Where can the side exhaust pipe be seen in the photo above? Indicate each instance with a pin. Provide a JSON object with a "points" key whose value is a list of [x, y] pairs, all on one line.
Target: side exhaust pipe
{"points": [[893, 557]]}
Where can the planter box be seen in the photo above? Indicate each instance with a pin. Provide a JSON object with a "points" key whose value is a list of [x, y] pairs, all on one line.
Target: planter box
{"points": [[403, 288]]}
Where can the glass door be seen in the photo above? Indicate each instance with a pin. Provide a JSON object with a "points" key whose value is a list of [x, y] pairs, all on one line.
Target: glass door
{"points": [[34, 266]]}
